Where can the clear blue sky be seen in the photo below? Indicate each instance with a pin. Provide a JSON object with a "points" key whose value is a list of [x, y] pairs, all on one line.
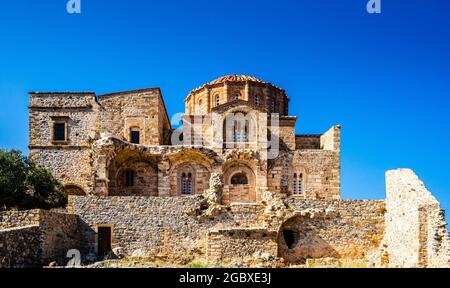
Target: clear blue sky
{"points": [[385, 78]]}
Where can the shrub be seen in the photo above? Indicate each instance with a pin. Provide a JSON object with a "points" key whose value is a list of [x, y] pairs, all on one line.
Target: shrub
{"points": [[25, 185]]}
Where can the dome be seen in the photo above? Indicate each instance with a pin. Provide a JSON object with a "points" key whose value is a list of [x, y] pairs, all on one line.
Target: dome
{"points": [[233, 78]]}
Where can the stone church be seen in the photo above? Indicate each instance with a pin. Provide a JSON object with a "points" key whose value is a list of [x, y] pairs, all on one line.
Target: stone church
{"points": [[228, 181], [123, 144]]}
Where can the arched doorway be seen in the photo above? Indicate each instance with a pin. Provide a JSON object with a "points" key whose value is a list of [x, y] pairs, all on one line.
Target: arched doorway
{"points": [[240, 184]]}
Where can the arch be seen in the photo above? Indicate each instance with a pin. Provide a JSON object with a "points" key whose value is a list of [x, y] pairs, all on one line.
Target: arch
{"points": [[239, 178], [189, 174], [186, 180], [299, 239], [199, 107], [134, 177], [240, 183], [74, 190]]}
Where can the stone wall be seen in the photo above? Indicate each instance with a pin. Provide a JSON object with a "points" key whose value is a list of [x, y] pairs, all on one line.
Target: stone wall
{"points": [[59, 233], [331, 140], [303, 142], [164, 226], [68, 160], [338, 229], [36, 237], [140, 109], [13, 219], [416, 234], [241, 244], [320, 170], [19, 247], [180, 227]]}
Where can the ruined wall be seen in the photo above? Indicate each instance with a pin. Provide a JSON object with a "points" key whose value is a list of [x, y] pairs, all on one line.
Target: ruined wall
{"points": [[416, 234], [36, 237], [178, 228], [59, 233], [331, 140], [338, 229], [19, 247]]}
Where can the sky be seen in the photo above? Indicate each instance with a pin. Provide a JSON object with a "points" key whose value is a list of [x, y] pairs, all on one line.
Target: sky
{"points": [[384, 77]]}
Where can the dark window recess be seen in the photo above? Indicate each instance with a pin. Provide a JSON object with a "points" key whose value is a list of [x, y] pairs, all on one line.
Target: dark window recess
{"points": [[289, 238], [135, 137], [239, 179], [59, 132], [104, 241], [129, 178]]}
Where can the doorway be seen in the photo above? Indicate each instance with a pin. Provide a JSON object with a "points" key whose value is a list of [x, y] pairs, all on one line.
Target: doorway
{"points": [[104, 240]]}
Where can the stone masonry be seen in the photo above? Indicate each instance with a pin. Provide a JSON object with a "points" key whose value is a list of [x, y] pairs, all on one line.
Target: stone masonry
{"points": [[233, 183]]}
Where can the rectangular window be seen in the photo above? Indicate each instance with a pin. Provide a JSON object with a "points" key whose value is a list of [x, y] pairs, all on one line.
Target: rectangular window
{"points": [[135, 137], [59, 132]]}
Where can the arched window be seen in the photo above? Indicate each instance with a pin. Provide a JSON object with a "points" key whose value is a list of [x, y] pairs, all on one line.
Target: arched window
{"points": [[199, 107], [257, 99], [239, 179], [237, 96], [129, 178], [186, 184], [217, 100], [298, 184]]}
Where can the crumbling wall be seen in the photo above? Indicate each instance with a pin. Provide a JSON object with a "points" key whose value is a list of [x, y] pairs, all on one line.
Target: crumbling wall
{"points": [[340, 229], [36, 237], [416, 234], [59, 233]]}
